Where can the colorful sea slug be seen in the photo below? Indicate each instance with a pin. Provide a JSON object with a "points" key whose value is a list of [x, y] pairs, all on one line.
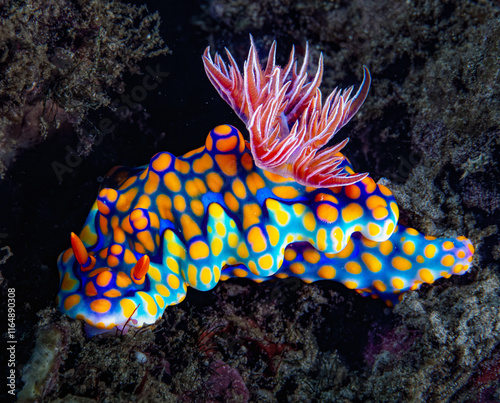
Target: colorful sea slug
{"points": [[277, 206]]}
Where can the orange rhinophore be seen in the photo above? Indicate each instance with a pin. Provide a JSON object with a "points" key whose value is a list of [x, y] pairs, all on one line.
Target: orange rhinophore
{"points": [[140, 269], [86, 262]]}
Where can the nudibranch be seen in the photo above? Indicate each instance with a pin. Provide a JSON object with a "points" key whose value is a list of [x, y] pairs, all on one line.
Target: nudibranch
{"points": [[276, 206]]}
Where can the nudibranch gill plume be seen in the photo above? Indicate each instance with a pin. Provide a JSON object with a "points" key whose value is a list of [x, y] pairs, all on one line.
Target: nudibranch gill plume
{"points": [[279, 205]]}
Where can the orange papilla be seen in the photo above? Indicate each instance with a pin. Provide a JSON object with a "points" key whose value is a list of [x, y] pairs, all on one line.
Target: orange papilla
{"points": [[326, 197], [227, 163], [116, 249], [327, 213], [100, 305], [352, 191], [71, 301], [103, 278], [223, 130], [370, 185], [102, 207], [161, 161], [209, 142], [90, 290], [247, 161], [141, 267], [227, 144], [139, 223]]}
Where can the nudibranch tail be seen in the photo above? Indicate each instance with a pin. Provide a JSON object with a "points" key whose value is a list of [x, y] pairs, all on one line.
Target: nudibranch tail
{"points": [[283, 112], [377, 269]]}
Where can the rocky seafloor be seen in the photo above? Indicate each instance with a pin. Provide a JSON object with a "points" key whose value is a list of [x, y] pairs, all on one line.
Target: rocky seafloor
{"points": [[430, 126]]}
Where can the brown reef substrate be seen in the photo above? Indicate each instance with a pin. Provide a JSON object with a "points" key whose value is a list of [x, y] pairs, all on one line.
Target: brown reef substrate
{"points": [[430, 125]]}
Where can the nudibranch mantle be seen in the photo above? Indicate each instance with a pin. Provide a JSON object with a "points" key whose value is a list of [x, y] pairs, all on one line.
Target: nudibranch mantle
{"points": [[212, 214], [279, 205]]}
